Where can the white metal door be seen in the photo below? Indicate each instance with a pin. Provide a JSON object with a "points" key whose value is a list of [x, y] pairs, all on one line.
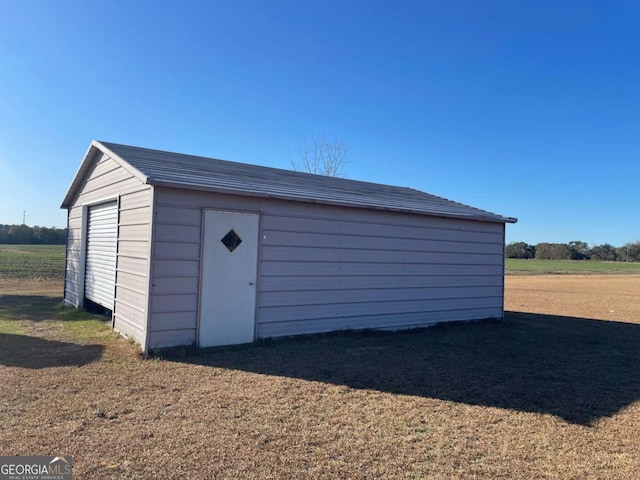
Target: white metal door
{"points": [[100, 264], [228, 287]]}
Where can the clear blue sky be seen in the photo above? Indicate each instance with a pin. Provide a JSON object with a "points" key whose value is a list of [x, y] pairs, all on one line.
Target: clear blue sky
{"points": [[525, 108]]}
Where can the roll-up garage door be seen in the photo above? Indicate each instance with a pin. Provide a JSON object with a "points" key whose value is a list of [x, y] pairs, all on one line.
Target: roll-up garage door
{"points": [[100, 269]]}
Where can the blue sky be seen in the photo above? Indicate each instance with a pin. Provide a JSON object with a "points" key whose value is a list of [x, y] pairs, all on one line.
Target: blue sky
{"points": [[525, 108]]}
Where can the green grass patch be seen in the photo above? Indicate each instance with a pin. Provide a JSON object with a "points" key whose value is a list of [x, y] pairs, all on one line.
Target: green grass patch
{"points": [[36, 331], [8, 325], [522, 266], [86, 328], [48, 314], [32, 262], [79, 325]]}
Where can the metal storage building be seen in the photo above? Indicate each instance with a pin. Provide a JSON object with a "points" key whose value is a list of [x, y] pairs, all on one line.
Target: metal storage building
{"points": [[190, 250]]}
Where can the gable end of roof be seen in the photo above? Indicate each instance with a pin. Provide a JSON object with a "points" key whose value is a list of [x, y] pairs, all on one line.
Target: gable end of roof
{"points": [[93, 152]]}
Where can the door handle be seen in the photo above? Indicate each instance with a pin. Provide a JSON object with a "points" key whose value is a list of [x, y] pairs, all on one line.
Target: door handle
{"points": [[251, 282]]}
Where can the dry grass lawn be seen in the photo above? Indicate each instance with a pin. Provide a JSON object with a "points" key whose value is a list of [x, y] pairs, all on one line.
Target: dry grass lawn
{"points": [[48, 288], [551, 393], [602, 297]]}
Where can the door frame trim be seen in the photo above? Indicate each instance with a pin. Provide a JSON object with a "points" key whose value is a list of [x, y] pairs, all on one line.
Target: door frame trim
{"points": [[84, 232], [201, 269]]}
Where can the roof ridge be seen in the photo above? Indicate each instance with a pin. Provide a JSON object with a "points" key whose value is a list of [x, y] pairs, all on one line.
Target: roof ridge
{"points": [[197, 172]]}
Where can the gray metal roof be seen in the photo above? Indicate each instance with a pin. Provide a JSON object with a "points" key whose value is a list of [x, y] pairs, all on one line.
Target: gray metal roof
{"points": [[155, 167]]}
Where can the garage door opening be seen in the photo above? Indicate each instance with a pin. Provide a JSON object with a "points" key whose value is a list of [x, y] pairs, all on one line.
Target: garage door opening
{"points": [[100, 259]]}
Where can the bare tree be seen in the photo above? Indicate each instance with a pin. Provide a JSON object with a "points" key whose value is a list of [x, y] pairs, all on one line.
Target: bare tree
{"points": [[322, 157]]}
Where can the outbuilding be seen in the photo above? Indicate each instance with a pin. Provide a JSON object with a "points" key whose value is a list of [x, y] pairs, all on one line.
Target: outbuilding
{"points": [[185, 250]]}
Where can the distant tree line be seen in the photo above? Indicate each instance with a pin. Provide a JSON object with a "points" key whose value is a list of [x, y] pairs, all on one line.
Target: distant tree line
{"points": [[23, 234], [575, 250]]}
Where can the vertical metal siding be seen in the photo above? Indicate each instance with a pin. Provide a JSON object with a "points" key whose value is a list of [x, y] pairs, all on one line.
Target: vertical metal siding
{"points": [[102, 240]]}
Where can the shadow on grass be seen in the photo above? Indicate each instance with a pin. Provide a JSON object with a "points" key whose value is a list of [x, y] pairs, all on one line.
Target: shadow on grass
{"points": [[35, 352], [28, 351], [36, 308], [578, 369], [28, 307]]}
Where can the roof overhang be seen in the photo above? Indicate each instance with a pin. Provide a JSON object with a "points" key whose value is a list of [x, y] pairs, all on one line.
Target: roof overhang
{"points": [[97, 148], [326, 201], [93, 152]]}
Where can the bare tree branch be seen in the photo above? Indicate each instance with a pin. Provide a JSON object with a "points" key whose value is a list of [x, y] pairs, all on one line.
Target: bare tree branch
{"points": [[322, 157]]}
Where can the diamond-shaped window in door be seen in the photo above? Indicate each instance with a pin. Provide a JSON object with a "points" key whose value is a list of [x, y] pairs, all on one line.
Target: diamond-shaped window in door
{"points": [[231, 240]]}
